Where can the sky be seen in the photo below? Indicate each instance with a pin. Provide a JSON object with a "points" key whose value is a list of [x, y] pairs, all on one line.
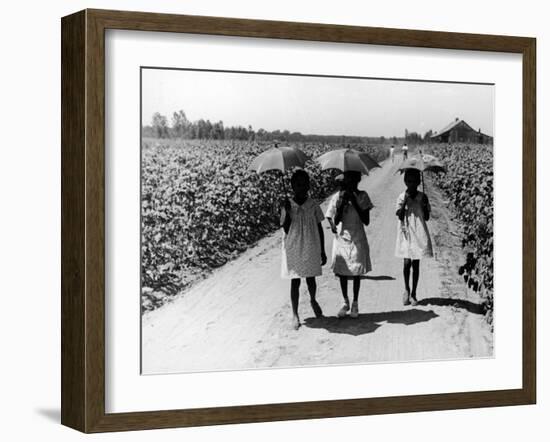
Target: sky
{"points": [[316, 105]]}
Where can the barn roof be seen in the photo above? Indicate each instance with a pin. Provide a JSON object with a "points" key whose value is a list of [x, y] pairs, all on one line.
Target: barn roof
{"points": [[451, 125]]}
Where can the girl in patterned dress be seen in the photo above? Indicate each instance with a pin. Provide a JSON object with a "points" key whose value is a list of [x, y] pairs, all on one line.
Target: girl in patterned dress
{"points": [[303, 249], [413, 238], [348, 212]]}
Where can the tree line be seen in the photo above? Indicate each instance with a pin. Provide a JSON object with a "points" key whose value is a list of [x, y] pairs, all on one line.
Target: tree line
{"points": [[181, 127]]}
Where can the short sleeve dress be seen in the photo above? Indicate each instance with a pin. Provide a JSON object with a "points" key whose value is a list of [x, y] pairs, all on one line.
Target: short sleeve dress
{"points": [[301, 248], [350, 249], [413, 237]]}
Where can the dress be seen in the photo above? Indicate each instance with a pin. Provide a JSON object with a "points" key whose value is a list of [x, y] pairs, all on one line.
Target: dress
{"points": [[301, 248], [350, 248], [413, 237]]}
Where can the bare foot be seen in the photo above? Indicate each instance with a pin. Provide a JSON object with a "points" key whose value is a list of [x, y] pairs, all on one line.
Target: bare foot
{"points": [[343, 312], [413, 299], [354, 310], [316, 308], [406, 297], [295, 322]]}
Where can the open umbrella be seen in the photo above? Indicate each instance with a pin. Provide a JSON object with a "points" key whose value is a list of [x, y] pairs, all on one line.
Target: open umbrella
{"points": [[423, 163], [279, 158], [347, 160]]}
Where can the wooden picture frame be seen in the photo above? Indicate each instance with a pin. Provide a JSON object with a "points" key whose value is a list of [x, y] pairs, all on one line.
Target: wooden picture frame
{"points": [[83, 220]]}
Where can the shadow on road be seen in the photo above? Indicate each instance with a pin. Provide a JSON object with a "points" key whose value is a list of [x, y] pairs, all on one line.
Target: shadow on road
{"points": [[379, 278], [369, 322], [472, 307]]}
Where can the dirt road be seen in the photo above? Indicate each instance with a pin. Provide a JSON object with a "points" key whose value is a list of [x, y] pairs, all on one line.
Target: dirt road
{"points": [[240, 316]]}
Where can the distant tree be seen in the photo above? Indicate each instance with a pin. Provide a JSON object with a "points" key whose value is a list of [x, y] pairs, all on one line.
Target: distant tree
{"points": [[201, 129], [218, 131], [428, 135], [261, 135], [296, 136], [414, 138], [180, 124], [147, 132], [251, 133], [160, 125], [227, 133], [208, 130], [285, 135], [194, 131], [241, 133]]}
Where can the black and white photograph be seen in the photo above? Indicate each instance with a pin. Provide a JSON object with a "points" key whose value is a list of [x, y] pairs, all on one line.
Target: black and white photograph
{"points": [[310, 220], [260, 221]]}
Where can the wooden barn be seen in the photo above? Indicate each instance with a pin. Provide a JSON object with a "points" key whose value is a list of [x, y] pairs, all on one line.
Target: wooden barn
{"points": [[459, 131]]}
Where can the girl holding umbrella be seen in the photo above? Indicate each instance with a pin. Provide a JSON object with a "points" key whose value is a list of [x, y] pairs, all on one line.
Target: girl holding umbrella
{"points": [[303, 243], [413, 209], [303, 248], [348, 212]]}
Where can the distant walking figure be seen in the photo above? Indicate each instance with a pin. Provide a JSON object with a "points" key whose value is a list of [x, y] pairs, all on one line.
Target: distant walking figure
{"points": [[413, 238], [348, 212], [392, 152], [405, 151], [303, 248]]}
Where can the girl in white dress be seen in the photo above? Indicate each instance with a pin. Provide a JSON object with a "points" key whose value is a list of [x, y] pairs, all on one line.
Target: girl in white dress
{"points": [[303, 248], [413, 237], [348, 212]]}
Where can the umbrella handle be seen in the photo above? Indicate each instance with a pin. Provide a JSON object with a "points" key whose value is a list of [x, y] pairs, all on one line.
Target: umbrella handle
{"points": [[283, 191], [422, 177], [283, 185]]}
